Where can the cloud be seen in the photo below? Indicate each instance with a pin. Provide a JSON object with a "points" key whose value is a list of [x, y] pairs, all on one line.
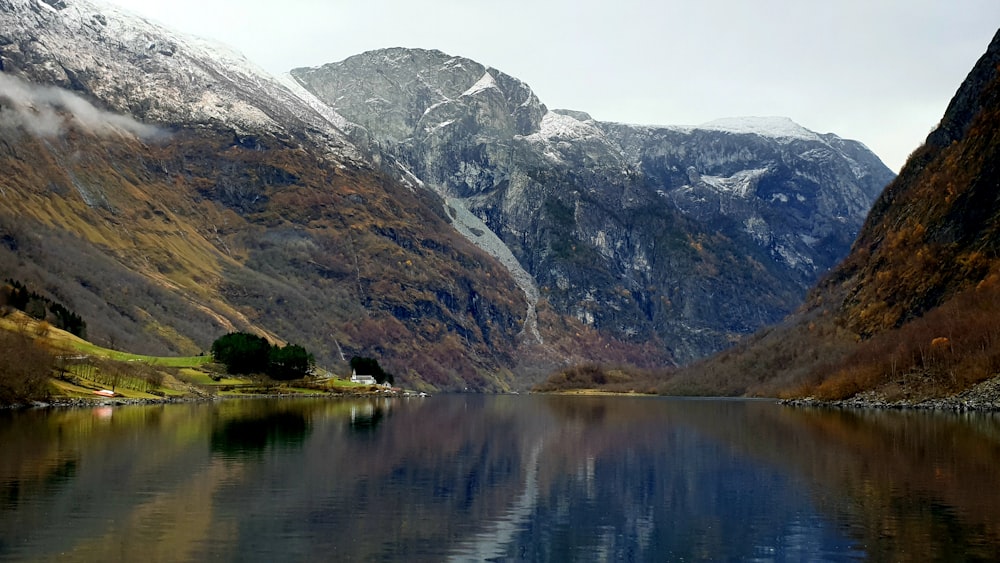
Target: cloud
{"points": [[45, 111]]}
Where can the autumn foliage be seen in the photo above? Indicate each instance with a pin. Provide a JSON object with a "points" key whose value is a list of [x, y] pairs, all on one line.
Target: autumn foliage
{"points": [[945, 351], [596, 377]]}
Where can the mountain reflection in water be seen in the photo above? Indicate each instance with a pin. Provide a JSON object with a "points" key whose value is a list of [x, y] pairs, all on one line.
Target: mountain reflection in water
{"points": [[469, 477]]}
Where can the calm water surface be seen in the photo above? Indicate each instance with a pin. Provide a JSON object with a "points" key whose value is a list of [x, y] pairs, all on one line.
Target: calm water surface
{"points": [[473, 478]]}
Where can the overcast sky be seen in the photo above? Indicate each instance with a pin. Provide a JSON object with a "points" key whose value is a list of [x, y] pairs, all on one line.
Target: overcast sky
{"points": [[878, 71]]}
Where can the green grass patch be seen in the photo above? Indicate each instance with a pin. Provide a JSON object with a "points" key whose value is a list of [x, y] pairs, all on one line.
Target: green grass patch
{"points": [[163, 361], [346, 383], [67, 389], [88, 367], [202, 377]]}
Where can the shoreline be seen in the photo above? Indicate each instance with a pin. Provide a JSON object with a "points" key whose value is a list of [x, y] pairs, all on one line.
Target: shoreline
{"points": [[982, 397], [82, 402], [946, 404]]}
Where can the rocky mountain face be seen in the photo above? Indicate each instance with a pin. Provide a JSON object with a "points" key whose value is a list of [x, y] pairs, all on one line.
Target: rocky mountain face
{"points": [[685, 237], [911, 313], [168, 191]]}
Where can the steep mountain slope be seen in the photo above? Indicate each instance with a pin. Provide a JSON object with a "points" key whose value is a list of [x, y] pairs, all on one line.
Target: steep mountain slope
{"points": [[913, 311], [685, 238], [168, 192]]}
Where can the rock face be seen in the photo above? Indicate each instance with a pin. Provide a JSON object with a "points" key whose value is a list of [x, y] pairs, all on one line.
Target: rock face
{"points": [[684, 236]]}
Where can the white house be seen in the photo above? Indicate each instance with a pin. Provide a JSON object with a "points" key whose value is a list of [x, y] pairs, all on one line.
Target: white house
{"points": [[363, 379]]}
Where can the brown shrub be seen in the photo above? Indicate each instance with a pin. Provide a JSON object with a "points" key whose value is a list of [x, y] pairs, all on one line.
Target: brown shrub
{"points": [[25, 367], [604, 378], [948, 349]]}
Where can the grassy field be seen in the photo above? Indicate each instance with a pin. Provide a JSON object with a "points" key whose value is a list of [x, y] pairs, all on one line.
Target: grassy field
{"points": [[86, 368], [161, 361], [69, 343]]}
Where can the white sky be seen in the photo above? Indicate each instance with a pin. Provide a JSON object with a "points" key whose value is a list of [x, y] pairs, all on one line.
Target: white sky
{"points": [[878, 71]]}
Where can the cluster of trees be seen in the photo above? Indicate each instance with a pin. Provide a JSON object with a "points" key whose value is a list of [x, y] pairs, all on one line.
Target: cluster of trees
{"points": [[244, 354], [17, 295]]}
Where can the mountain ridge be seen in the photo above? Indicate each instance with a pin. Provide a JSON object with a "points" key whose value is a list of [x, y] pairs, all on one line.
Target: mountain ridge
{"points": [[472, 133]]}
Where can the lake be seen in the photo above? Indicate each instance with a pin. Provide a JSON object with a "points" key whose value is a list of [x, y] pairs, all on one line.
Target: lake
{"points": [[474, 478]]}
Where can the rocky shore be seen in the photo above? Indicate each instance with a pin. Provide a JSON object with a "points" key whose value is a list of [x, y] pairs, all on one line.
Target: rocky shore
{"points": [[984, 396], [63, 402], [68, 402]]}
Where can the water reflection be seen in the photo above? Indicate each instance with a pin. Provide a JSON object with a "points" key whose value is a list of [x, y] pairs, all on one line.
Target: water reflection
{"points": [[494, 541], [246, 435], [475, 478], [908, 485], [366, 416]]}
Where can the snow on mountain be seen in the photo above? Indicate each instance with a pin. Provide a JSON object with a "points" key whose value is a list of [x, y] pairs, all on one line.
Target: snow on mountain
{"points": [[485, 83], [774, 127], [556, 126], [625, 228], [250, 216], [740, 184], [326, 111], [140, 68]]}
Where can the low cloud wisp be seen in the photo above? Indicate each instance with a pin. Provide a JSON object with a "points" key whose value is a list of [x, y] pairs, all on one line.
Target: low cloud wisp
{"points": [[45, 111]]}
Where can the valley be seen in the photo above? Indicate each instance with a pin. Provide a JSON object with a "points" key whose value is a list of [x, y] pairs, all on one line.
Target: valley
{"points": [[431, 211]]}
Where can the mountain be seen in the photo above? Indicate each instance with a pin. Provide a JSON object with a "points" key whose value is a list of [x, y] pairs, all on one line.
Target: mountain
{"points": [[684, 237], [911, 313], [425, 211], [168, 192]]}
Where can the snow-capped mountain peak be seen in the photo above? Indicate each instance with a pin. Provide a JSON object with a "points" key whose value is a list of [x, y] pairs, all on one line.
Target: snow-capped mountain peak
{"points": [[775, 127]]}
